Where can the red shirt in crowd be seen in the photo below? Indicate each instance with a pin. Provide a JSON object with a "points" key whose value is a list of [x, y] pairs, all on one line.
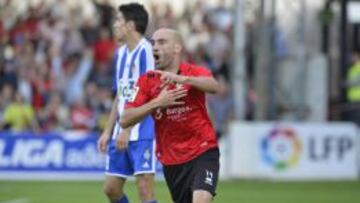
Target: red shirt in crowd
{"points": [[103, 50], [182, 132], [81, 118]]}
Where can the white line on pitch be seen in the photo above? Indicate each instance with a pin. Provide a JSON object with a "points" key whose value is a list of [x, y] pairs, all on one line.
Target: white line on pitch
{"points": [[23, 200]]}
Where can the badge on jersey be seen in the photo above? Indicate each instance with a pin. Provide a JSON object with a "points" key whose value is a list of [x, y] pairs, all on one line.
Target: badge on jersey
{"points": [[127, 90]]}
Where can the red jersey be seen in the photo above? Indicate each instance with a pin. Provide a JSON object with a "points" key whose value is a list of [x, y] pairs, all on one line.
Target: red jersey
{"points": [[182, 132]]}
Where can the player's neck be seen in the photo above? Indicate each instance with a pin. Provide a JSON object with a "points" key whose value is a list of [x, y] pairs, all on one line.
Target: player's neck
{"points": [[133, 40], [175, 65]]}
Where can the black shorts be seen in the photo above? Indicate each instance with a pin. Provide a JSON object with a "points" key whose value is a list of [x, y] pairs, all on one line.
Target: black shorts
{"points": [[200, 173]]}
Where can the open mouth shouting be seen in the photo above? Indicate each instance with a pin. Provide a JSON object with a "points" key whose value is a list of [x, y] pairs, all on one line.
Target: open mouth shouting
{"points": [[156, 58]]}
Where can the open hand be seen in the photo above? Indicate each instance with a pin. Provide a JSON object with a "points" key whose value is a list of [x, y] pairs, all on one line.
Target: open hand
{"points": [[122, 140], [102, 142], [170, 97]]}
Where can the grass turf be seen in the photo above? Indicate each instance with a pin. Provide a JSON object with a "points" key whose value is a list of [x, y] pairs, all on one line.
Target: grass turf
{"points": [[228, 192]]}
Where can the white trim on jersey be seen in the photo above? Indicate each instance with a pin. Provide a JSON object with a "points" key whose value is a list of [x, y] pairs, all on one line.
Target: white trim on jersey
{"points": [[130, 65]]}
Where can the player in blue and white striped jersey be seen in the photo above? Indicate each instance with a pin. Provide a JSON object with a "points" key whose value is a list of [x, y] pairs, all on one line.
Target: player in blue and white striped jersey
{"points": [[129, 151]]}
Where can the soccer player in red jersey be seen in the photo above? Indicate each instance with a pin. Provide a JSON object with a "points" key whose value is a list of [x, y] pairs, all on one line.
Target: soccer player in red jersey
{"points": [[175, 96]]}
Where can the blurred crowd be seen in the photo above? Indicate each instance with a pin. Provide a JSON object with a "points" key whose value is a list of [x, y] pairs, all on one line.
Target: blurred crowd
{"points": [[56, 64]]}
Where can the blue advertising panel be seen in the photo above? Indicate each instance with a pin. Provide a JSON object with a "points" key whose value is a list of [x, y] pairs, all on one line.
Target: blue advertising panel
{"points": [[51, 156]]}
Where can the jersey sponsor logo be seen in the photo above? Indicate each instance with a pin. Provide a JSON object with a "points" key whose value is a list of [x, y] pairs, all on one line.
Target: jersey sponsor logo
{"points": [[175, 114], [178, 110], [178, 114], [209, 177]]}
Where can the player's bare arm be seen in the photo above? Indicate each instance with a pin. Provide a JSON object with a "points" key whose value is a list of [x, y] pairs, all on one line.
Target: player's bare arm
{"points": [[203, 83], [166, 98], [105, 135]]}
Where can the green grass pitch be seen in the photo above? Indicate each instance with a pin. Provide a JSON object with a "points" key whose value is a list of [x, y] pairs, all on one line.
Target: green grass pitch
{"points": [[228, 192]]}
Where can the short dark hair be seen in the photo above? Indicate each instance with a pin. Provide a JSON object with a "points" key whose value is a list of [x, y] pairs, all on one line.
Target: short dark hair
{"points": [[135, 12]]}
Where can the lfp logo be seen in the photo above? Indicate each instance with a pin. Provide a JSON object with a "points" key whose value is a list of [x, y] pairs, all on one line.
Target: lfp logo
{"points": [[281, 148]]}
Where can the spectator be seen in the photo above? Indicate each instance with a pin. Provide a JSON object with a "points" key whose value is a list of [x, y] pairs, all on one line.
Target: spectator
{"points": [[102, 75], [6, 95], [105, 96], [221, 106], [89, 32], [76, 74], [91, 95], [217, 49], [52, 30], [221, 17], [81, 116], [73, 43], [7, 69], [55, 115], [353, 90], [24, 84], [41, 85], [19, 116], [105, 11], [104, 47], [353, 80], [59, 9], [51, 53]]}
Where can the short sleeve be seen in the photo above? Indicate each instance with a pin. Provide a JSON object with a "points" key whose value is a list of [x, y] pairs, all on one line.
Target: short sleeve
{"points": [[140, 95], [202, 71], [146, 59]]}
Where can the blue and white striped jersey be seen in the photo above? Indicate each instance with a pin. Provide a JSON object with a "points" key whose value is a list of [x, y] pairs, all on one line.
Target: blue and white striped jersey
{"points": [[129, 66]]}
